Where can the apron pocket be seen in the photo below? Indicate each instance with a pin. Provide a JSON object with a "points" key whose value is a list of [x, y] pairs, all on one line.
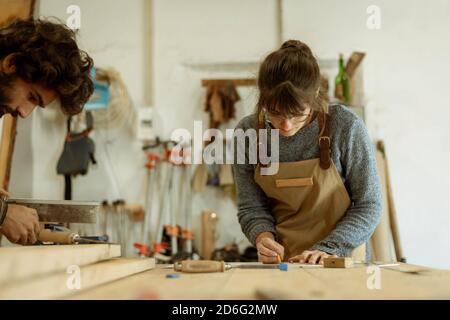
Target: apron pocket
{"points": [[297, 182]]}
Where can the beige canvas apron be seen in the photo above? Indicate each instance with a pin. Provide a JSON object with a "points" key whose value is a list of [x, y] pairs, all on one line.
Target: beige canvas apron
{"points": [[308, 198]]}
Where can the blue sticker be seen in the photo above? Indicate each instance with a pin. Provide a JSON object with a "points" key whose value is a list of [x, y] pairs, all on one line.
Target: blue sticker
{"points": [[100, 97]]}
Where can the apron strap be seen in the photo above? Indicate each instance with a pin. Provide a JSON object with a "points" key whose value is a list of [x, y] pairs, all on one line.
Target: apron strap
{"points": [[324, 140]]}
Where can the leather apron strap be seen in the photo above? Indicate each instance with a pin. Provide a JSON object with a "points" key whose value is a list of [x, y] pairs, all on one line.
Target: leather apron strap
{"points": [[324, 140]]}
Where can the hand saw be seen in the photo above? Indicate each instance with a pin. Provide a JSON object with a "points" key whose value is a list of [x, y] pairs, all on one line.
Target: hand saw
{"points": [[64, 211]]}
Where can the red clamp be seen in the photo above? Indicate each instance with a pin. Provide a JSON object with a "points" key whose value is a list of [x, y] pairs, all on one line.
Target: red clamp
{"points": [[158, 247], [143, 249], [152, 158]]}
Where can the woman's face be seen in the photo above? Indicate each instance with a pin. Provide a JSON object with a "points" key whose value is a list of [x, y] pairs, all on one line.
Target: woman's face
{"points": [[289, 126]]}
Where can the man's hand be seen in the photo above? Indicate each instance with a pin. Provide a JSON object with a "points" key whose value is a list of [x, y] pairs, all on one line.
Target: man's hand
{"points": [[3, 192], [312, 257], [21, 225], [268, 248]]}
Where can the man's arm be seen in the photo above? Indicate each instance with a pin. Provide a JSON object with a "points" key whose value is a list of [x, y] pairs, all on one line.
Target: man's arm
{"points": [[20, 224]]}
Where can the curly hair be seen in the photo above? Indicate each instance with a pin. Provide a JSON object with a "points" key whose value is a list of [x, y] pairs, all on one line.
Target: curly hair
{"points": [[47, 53]]}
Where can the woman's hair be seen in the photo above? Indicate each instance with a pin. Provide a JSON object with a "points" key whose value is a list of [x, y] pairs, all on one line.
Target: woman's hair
{"points": [[289, 81], [47, 53]]}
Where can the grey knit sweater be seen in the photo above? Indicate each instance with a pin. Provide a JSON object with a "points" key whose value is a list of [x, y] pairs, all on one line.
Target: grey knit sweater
{"points": [[352, 153]]}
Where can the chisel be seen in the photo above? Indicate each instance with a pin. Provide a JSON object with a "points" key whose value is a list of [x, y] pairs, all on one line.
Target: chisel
{"points": [[207, 266], [66, 237]]}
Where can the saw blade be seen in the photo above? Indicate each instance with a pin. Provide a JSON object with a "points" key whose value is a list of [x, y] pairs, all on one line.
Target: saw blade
{"points": [[63, 211]]}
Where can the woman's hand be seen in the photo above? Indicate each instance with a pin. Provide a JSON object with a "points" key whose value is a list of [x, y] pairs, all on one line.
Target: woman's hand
{"points": [[268, 248], [312, 257]]}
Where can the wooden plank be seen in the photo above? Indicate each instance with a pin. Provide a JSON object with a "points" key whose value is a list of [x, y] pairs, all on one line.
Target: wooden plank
{"points": [[297, 283], [22, 263], [11, 9], [381, 240], [6, 149], [60, 285], [404, 282], [392, 210], [339, 262]]}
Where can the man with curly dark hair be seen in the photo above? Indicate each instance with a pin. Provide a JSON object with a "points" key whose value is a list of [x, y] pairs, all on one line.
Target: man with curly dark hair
{"points": [[39, 62]]}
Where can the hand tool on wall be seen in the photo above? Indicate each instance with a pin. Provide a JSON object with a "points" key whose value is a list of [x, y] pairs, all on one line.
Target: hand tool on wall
{"points": [[104, 218], [172, 228], [188, 235], [152, 178], [164, 199], [135, 214], [123, 225], [78, 152], [209, 235], [184, 208]]}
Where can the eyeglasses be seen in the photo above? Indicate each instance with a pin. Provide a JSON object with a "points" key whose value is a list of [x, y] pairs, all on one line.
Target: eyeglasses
{"points": [[295, 120]]}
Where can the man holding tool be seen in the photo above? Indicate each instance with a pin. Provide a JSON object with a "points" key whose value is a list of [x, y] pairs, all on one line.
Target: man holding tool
{"points": [[39, 62]]}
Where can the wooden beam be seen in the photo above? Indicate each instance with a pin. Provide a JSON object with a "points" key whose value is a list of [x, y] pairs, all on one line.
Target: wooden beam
{"points": [[6, 149], [59, 285], [22, 263], [381, 240], [392, 211], [222, 82], [10, 10]]}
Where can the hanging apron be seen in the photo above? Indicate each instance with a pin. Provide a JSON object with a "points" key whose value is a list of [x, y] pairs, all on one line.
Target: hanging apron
{"points": [[308, 198]]}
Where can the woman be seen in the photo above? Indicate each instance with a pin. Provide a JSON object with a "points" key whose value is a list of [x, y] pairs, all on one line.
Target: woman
{"points": [[325, 199]]}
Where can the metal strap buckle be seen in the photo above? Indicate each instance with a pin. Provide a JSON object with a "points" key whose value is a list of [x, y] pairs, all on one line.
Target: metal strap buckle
{"points": [[324, 138]]}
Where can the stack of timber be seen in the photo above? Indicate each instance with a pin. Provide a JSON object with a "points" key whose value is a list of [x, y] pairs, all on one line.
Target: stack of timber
{"points": [[55, 272]]}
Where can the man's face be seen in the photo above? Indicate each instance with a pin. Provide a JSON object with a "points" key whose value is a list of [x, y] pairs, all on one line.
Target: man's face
{"points": [[20, 98]]}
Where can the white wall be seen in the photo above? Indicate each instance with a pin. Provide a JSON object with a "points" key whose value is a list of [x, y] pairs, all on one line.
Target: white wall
{"points": [[188, 34], [405, 71], [199, 39]]}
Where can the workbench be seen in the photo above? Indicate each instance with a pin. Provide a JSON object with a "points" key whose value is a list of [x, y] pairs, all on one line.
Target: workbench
{"points": [[403, 282]]}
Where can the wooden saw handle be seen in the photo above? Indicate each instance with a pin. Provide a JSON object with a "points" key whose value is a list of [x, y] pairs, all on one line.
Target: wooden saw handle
{"points": [[61, 237], [199, 266]]}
